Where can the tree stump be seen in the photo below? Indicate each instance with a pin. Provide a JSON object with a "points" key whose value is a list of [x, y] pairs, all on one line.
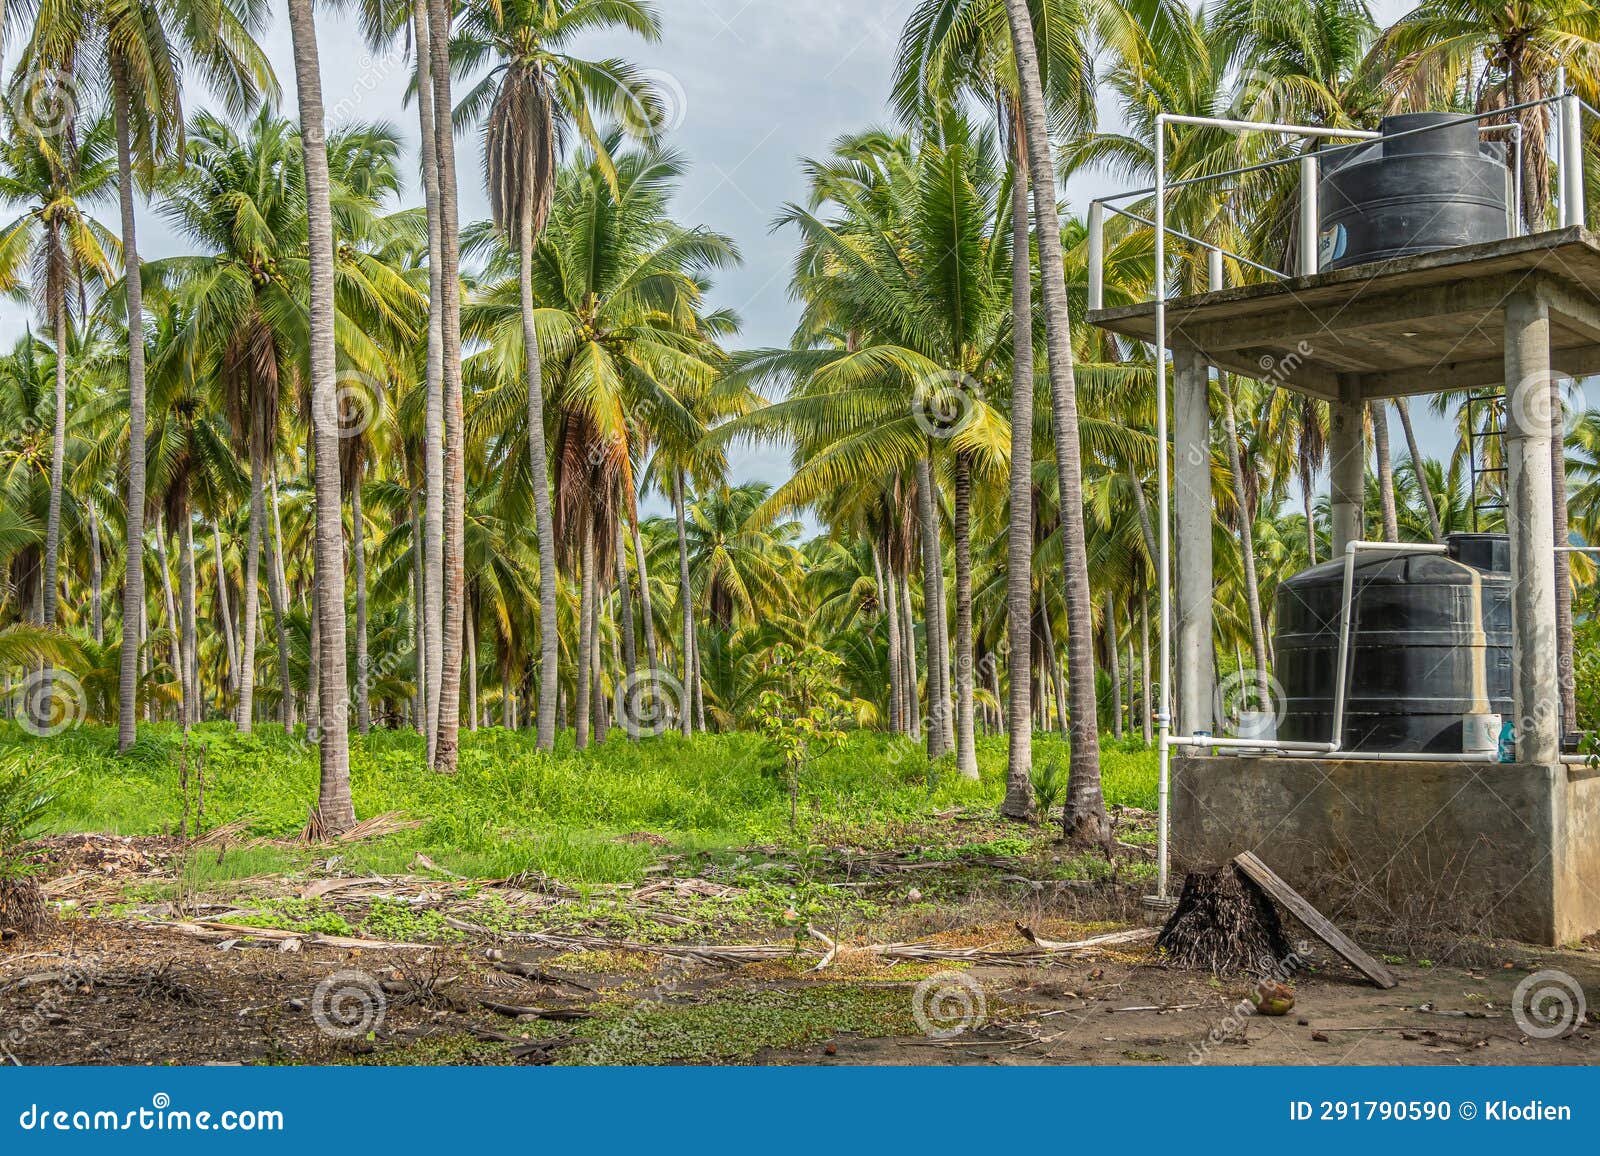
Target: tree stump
{"points": [[23, 910], [1225, 924]]}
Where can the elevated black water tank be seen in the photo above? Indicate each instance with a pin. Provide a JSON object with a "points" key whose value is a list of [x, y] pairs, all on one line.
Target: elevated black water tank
{"points": [[1431, 190], [1430, 642]]}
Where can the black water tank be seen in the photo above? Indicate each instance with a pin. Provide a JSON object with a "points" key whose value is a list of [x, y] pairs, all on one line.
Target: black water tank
{"points": [[1430, 642], [1431, 190]]}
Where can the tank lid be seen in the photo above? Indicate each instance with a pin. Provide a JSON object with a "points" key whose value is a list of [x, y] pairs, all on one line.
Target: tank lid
{"points": [[1491, 552], [1452, 133]]}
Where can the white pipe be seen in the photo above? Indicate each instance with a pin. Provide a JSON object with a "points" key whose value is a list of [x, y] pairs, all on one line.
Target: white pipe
{"points": [[1215, 278], [1097, 254], [1164, 500], [1260, 126], [1310, 216], [1571, 157]]}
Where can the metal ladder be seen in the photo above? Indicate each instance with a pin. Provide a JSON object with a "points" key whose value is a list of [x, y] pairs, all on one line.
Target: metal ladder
{"points": [[1476, 437]]}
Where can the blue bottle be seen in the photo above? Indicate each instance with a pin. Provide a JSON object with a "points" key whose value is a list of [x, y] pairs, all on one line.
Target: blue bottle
{"points": [[1507, 750]]}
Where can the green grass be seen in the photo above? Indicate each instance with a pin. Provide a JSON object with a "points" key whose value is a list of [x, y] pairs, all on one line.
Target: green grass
{"points": [[511, 808]]}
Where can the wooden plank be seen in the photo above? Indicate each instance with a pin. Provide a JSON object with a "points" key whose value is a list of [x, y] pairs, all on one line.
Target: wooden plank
{"points": [[1274, 886]]}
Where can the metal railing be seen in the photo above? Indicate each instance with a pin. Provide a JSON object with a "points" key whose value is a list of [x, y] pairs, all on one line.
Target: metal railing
{"points": [[1569, 110], [1569, 189]]}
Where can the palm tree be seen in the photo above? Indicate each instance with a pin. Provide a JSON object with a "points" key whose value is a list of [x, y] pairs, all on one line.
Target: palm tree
{"points": [[629, 348], [55, 175], [918, 261], [1084, 815], [534, 91], [335, 811], [135, 48]]}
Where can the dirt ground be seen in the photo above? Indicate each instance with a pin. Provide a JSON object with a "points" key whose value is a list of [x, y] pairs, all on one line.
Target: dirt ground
{"points": [[162, 983]]}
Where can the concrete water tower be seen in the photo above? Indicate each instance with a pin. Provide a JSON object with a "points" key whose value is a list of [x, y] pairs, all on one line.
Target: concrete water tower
{"points": [[1414, 276]]}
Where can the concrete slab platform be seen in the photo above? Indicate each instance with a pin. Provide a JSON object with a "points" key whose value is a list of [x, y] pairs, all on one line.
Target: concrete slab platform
{"points": [[1412, 325], [1487, 849]]}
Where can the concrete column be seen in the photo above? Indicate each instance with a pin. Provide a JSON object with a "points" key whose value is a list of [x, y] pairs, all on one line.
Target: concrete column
{"points": [[1347, 467], [1529, 519], [1193, 664]]}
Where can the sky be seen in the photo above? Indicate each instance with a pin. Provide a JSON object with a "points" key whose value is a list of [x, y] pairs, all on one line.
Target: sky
{"points": [[751, 85]]}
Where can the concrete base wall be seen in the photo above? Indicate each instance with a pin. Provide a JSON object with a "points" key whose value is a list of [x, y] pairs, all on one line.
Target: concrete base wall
{"points": [[1478, 848]]}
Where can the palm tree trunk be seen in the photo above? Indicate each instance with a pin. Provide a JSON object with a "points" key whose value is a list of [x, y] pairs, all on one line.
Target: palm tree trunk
{"points": [[891, 616], [1424, 487], [251, 585], [58, 462], [335, 810], [430, 610], [1018, 802], [1563, 560], [96, 576], [685, 603], [1308, 500], [602, 714], [908, 634], [699, 687], [1144, 665], [940, 732], [439, 14], [1247, 549], [585, 637], [358, 562], [191, 645], [278, 593], [645, 608], [419, 607], [1379, 416], [966, 746], [1085, 813], [133, 579], [1052, 662], [471, 674], [1113, 644], [538, 461], [224, 610], [314, 669], [630, 652], [175, 639]]}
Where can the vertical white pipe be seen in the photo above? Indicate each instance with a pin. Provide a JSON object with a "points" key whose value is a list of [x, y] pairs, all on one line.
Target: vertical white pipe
{"points": [[1097, 254], [1214, 275], [1571, 161], [1164, 500], [1310, 215]]}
